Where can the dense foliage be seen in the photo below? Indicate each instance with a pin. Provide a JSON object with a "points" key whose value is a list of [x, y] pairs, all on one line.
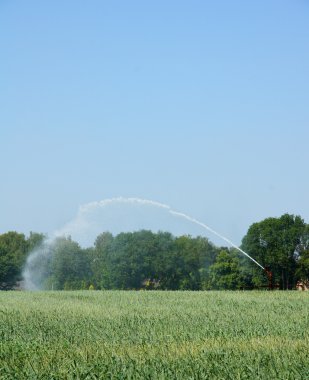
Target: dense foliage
{"points": [[147, 260], [14, 248], [154, 335], [283, 244]]}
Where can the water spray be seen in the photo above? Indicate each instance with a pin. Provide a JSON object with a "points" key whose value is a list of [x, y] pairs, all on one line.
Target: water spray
{"points": [[93, 205], [80, 221], [215, 233], [266, 269]]}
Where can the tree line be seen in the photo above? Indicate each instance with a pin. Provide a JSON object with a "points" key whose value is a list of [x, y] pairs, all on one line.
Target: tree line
{"points": [[148, 260]]}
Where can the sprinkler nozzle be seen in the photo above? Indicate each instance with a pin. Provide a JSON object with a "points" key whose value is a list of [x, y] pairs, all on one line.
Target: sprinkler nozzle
{"points": [[269, 275]]}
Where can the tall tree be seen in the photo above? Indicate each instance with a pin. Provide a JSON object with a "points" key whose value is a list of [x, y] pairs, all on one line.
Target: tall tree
{"points": [[275, 242], [13, 250]]}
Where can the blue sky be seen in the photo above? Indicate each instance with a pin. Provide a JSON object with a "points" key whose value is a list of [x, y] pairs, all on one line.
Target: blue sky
{"points": [[200, 105]]}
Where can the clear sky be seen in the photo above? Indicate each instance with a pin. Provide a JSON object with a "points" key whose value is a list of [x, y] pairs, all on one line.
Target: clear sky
{"points": [[202, 105]]}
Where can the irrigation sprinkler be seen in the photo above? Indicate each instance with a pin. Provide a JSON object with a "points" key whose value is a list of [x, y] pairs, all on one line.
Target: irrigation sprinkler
{"points": [[269, 275]]}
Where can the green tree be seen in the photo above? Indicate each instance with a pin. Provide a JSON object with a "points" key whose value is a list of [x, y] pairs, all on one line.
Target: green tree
{"points": [[275, 242], [193, 259], [164, 263], [70, 267], [34, 240], [207, 257], [132, 258], [302, 265], [100, 260], [226, 272], [13, 251]]}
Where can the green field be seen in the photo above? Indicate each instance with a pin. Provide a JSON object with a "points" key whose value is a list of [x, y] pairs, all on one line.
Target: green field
{"points": [[154, 335]]}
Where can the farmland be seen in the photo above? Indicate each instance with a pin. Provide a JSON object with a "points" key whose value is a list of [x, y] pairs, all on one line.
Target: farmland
{"points": [[154, 335]]}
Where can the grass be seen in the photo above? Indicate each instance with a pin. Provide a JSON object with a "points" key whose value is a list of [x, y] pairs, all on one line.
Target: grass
{"points": [[154, 335]]}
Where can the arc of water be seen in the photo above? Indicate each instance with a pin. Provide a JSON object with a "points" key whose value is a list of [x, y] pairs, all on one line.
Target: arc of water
{"points": [[90, 206], [180, 214]]}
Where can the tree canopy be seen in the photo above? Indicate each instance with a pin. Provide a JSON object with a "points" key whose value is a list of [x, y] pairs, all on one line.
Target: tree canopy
{"points": [[148, 260], [281, 243]]}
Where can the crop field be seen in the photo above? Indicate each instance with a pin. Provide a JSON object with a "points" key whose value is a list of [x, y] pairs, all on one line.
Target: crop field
{"points": [[154, 335]]}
